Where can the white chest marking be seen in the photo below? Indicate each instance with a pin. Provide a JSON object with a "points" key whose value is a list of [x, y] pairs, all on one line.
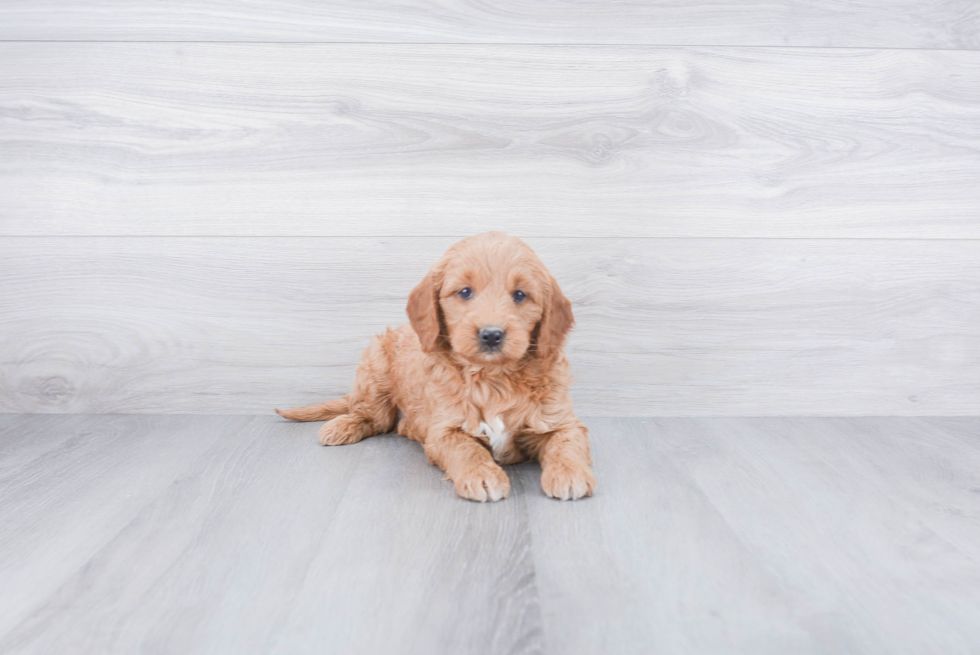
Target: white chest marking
{"points": [[497, 433]]}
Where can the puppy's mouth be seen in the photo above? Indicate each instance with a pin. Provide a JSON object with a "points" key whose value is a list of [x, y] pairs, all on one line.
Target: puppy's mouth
{"points": [[493, 356]]}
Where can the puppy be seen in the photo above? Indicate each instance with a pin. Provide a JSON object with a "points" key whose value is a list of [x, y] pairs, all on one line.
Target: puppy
{"points": [[478, 377]]}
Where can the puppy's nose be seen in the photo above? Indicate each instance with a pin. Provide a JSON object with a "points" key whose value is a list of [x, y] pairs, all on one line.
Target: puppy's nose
{"points": [[491, 337]]}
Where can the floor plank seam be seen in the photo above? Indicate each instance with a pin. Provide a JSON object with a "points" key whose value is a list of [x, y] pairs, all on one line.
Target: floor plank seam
{"points": [[520, 479], [275, 635]]}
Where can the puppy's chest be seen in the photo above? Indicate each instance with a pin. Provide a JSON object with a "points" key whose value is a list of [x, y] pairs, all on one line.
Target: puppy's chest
{"points": [[497, 433], [492, 408]]}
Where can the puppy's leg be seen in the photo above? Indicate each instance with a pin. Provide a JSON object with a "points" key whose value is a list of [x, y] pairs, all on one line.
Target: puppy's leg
{"points": [[565, 463], [468, 464], [371, 409]]}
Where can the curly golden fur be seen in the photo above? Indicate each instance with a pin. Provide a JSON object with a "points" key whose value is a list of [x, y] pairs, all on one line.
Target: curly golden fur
{"points": [[473, 403]]}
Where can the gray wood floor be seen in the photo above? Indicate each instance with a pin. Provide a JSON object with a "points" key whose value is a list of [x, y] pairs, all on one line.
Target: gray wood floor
{"points": [[181, 534]]}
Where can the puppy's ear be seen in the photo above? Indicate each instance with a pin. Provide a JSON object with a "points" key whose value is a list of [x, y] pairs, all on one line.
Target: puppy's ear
{"points": [[556, 321], [423, 311]]}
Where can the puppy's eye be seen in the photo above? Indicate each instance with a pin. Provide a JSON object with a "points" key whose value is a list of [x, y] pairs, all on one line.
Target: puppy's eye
{"points": [[465, 294], [519, 296]]}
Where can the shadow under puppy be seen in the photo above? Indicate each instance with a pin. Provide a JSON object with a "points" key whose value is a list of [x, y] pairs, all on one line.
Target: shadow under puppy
{"points": [[478, 377]]}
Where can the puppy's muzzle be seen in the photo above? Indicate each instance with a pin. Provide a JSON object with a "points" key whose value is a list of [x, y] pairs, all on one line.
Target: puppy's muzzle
{"points": [[491, 338]]}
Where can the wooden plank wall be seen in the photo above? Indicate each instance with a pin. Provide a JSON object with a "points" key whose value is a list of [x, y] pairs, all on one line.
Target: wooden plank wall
{"points": [[757, 208]]}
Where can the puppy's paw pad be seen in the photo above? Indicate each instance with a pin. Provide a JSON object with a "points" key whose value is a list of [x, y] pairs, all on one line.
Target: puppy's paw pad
{"points": [[567, 481], [486, 483]]}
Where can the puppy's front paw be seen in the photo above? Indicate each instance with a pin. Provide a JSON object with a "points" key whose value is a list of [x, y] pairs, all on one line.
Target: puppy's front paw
{"points": [[567, 481], [483, 483]]}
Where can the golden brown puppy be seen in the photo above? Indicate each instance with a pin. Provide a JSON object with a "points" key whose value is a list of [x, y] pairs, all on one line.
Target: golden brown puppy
{"points": [[479, 376]]}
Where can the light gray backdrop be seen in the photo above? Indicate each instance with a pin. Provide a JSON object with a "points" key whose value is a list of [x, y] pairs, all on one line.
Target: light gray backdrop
{"points": [[756, 208]]}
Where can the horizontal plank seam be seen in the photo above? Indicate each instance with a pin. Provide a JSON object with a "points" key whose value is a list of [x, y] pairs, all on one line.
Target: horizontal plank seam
{"points": [[584, 417], [466, 234], [502, 43]]}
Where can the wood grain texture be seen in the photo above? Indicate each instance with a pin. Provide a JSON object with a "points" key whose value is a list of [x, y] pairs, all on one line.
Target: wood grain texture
{"points": [[213, 564], [432, 573], [706, 535], [272, 543], [846, 512], [841, 23], [58, 510], [820, 530], [429, 140], [23, 438], [616, 573], [665, 326]]}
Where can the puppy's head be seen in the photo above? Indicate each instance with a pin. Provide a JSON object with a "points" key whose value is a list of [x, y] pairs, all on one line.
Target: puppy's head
{"points": [[490, 299]]}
